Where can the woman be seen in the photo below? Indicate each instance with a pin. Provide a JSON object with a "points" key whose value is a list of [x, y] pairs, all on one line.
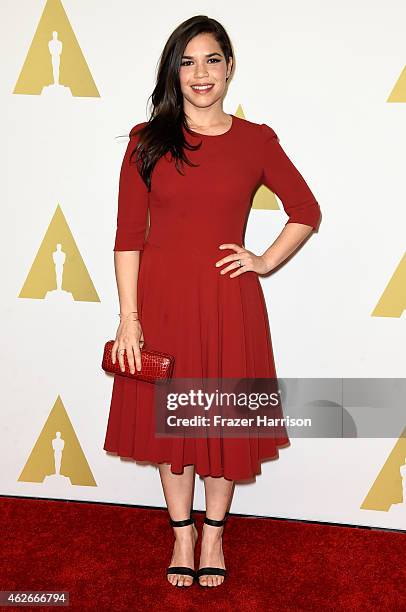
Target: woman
{"points": [[189, 287]]}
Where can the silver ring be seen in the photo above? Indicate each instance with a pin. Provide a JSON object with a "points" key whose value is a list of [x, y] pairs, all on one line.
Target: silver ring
{"points": [[122, 351], [239, 262]]}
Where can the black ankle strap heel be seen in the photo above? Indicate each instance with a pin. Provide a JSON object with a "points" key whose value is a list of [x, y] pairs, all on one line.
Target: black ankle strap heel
{"points": [[212, 571], [214, 523], [185, 571], [183, 523]]}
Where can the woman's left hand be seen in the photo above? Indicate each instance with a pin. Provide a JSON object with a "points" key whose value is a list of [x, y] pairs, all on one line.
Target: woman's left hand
{"points": [[250, 262]]}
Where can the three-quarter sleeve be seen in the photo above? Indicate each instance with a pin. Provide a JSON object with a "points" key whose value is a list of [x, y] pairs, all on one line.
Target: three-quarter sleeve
{"points": [[285, 180], [133, 199]]}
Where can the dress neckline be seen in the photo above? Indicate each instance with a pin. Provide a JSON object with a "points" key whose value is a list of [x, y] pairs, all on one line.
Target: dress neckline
{"points": [[216, 135]]}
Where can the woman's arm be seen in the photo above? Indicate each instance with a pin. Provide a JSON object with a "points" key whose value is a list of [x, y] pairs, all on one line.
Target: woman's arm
{"points": [[132, 214], [129, 333], [285, 180], [292, 235], [126, 265]]}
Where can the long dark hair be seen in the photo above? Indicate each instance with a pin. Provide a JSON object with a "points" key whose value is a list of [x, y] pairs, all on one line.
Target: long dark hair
{"points": [[163, 131]]}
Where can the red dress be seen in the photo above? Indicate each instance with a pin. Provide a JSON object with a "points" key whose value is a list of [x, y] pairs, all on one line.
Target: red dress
{"points": [[215, 326]]}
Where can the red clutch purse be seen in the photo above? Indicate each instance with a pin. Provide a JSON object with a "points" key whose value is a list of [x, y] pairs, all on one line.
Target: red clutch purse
{"points": [[155, 366]]}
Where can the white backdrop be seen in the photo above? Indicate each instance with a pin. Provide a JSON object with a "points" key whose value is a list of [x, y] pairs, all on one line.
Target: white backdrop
{"points": [[321, 74]]}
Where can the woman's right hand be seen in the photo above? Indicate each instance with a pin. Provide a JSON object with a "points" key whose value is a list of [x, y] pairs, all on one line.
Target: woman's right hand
{"points": [[129, 337]]}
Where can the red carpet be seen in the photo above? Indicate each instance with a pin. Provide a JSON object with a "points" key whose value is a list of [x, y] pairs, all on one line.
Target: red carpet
{"points": [[113, 558]]}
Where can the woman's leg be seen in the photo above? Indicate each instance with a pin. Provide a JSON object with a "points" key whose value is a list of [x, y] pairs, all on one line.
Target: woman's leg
{"points": [[178, 491], [219, 492]]}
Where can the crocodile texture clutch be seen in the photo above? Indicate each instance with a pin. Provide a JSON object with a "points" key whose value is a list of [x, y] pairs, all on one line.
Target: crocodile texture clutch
{"points": [[155, 366]]}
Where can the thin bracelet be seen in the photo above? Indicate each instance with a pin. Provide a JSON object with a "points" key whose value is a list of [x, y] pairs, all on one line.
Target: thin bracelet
{"points": [[128, 314]]}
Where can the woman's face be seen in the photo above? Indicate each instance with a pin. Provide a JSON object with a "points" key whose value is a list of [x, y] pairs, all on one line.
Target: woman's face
{"points": [[203, 71]]}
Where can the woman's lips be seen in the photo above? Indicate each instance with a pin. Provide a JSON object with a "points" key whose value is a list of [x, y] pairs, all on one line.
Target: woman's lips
{"points": [[202, 89]]}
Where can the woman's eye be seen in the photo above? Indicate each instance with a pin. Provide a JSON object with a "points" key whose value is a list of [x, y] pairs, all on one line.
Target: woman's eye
{"points": [[187, 62]]}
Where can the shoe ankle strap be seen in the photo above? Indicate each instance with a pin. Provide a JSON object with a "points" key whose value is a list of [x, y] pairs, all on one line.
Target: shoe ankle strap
{"points": [[213, 522], [183, 523]]}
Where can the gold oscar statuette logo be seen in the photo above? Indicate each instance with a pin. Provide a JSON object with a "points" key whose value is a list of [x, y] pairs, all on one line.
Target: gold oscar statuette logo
{"points": [[392, 302], [55, 66], [398, 93], [57, 457], [388, 492], [58, 272]]}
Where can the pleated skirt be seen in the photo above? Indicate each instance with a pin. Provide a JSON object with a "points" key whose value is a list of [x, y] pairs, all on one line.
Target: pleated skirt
{"points": [[216, 327]]}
